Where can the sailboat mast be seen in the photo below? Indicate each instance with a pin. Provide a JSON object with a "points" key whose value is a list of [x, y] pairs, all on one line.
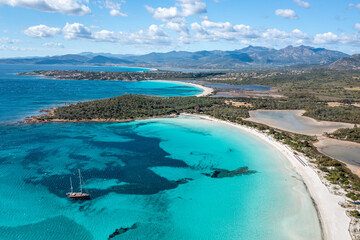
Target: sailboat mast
{"points": [[80, 181], [71, 186]]}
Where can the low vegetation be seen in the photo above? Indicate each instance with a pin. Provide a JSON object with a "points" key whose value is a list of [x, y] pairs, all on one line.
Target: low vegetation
{"points": [[348, 134], [120, 76]]}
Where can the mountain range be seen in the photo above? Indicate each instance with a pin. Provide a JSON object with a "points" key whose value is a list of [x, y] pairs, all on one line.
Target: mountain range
{"points": [[251, 57]]}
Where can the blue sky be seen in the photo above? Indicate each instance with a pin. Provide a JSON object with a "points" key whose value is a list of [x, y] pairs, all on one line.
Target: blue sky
{"points": [[53, 27]]}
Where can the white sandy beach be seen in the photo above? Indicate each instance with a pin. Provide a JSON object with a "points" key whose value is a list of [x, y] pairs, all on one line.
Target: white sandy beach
{"points": [[206, 90], [335, 222]]}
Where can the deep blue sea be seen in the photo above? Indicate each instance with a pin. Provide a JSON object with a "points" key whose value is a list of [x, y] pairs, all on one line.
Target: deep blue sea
{"points": [[22, 96], [148, 179]]}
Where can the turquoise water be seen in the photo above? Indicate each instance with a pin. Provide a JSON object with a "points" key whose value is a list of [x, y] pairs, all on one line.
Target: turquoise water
{"points": [[150, 174], [132, 171], [22, 96]]}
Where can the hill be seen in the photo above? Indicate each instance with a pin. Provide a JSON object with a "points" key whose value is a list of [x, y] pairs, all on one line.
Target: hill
{"points": [[347, 63]]}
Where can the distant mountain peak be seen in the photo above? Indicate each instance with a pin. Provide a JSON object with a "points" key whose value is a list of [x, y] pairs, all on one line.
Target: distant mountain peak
{"points": [[250, 57]]}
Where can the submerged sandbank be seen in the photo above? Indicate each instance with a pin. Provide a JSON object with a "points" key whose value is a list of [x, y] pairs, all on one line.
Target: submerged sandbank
{"points": [[333, 217], [294, 121]]}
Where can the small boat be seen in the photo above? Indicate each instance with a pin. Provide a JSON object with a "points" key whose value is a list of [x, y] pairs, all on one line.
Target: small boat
{"points": [[77, 195]]}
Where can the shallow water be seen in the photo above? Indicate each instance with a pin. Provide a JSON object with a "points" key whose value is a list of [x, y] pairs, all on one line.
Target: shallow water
{"points": [[150, 173], [132, 169]]}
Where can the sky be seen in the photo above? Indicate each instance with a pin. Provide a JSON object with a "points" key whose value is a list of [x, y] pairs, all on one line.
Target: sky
{"points": [[56, 27]]}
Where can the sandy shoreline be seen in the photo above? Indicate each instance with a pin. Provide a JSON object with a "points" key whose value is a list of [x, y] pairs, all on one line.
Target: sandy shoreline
{"points": [[334, 221], [206, 90]]}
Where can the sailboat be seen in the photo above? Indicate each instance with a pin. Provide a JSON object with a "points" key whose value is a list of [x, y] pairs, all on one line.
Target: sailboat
{"points": [[77, 195]]}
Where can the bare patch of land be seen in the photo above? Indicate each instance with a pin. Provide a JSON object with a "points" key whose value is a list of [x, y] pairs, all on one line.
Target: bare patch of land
{"points": [[239, 104], [353, 89]]}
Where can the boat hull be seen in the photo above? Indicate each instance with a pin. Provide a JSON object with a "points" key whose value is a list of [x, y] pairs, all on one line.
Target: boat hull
{"points": [[78, 196]]}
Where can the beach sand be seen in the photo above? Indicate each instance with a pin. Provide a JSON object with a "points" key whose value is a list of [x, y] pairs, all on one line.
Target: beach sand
{"points": [[335, 222], [309, 126]]}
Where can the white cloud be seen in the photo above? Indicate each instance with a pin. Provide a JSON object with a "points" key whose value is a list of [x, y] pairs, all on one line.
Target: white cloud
{"points": [[179, 27], [332, 38], [4, 47], [225, 26], [115, 12], [151, 36], [9, 48], [42, 31], [326, 38], [164, 14], [296, 33], [71, 7], [6, 40], [286, 13], [205, 30], [183, 8], [274, 33], [303, 3], [76, 31], [53, 45], [192, 7], [352, 5], [357, 26], [213, 31], [246, 31], [105, 36], [115, 7]]}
